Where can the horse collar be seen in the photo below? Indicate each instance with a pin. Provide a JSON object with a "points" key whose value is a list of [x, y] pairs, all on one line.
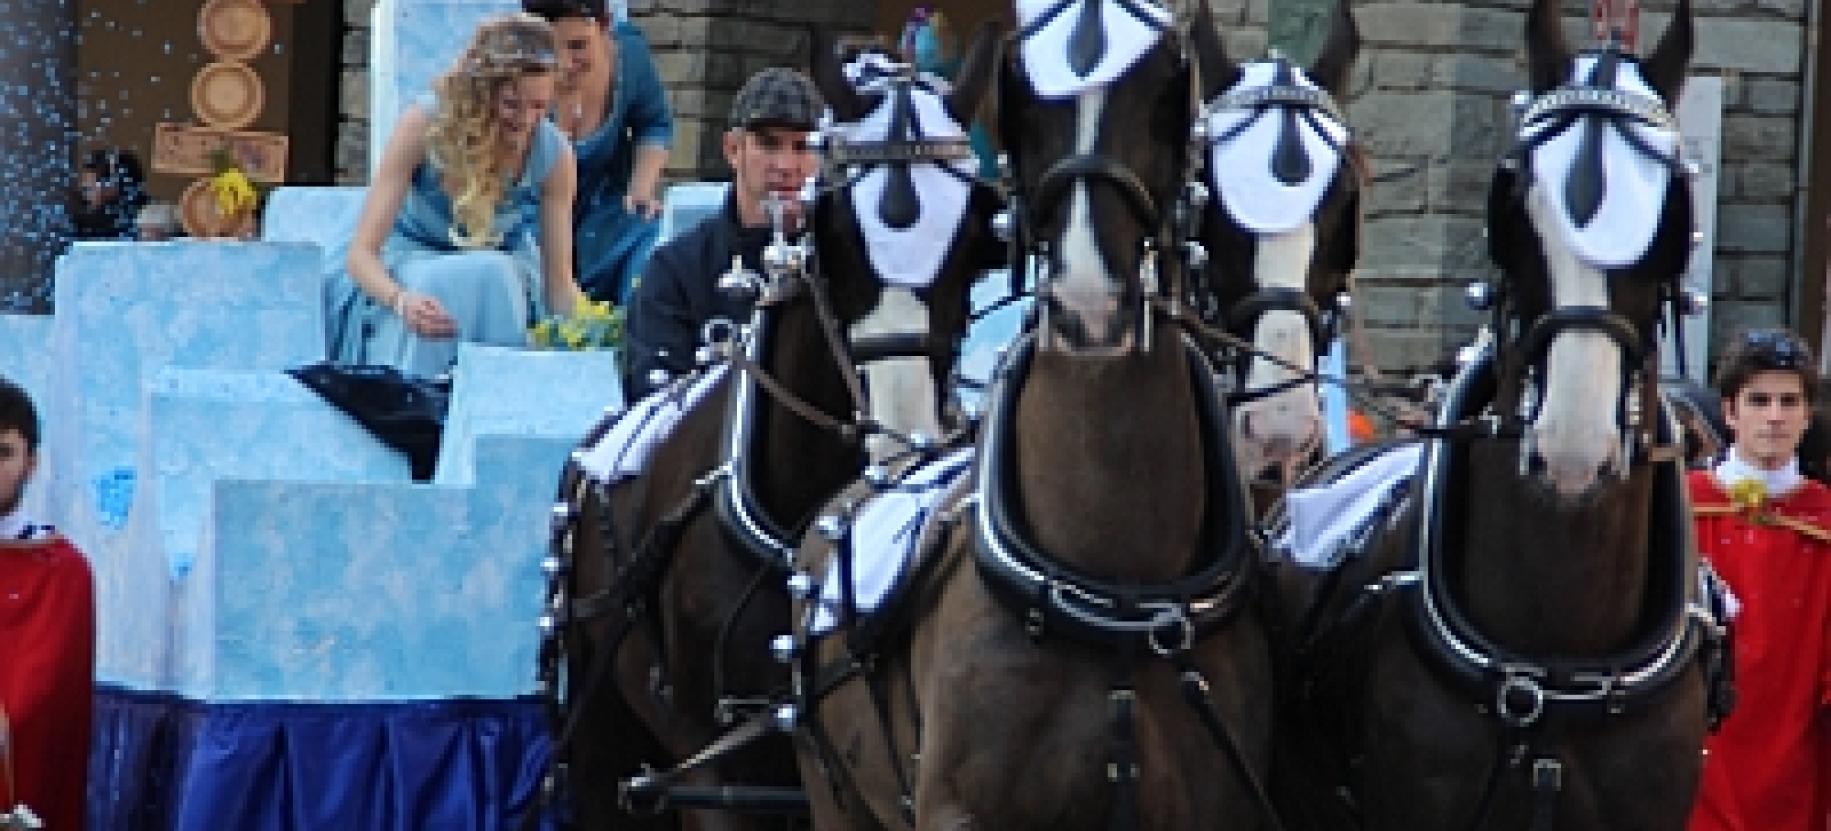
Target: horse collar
{"points": [[1521, 690], [1165, 619], [744, 520]]}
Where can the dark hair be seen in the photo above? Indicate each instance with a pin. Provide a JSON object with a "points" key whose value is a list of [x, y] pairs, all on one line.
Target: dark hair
{"points": [[1765, 350], [553, 10], [117, 167], [17, 413]]}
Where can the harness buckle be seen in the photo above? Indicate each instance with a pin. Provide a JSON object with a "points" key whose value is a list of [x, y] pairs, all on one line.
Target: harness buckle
{"points": [[1033, 622], [1547, 775], [1520, 699], [1171, 633]]}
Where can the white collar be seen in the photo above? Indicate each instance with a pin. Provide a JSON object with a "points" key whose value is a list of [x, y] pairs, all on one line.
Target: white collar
{"points": [[15, 526], [1735, 469]]}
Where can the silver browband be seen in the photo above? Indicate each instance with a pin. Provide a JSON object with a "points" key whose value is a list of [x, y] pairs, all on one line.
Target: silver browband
{"points": [[1645, 109], [1279, 95]]}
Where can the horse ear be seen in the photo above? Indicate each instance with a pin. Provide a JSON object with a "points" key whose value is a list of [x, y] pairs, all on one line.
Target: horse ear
{"points": [[831, 80], [1335, 63], [1219, 72], [1547, 55], [1665, 68], [976, 71]]}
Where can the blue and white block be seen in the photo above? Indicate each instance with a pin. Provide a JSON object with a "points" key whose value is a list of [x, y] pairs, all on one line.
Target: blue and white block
{"points": [[411, 43], [125, 310], [364, 592], [322, 216], [519, 392]]}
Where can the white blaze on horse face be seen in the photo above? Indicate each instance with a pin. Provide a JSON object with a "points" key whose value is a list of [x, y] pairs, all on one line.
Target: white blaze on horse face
{"points": [[1083, 288], [1575, 432], [1280, 428], [902, 391]]}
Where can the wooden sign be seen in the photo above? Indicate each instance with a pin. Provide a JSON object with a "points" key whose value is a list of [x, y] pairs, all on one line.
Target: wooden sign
{"points": [[190, 150]]}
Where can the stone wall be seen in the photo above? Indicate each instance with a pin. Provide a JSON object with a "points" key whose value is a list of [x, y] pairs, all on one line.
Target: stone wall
{"points": [[1429, 102], [705, 49], [352, 149]]}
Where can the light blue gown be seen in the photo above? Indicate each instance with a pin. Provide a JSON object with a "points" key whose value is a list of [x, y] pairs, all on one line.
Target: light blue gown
{"points": [[492, 294]]}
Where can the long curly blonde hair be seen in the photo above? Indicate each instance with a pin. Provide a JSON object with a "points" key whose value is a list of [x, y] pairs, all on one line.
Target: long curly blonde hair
{"points": [[464, 139]]}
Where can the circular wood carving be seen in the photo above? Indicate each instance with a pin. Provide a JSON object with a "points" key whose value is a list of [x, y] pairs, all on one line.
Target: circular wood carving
{"points": [[197, 211], [227, 95], [235, 30]]}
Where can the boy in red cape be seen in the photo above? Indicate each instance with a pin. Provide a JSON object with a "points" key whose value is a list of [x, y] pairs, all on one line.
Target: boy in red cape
{"points": [[47, 645], [1767, 530]]}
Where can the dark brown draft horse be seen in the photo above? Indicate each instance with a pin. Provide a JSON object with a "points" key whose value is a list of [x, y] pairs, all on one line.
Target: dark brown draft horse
{"points": [[1527, 645], [667, 586], [1072, 647]]}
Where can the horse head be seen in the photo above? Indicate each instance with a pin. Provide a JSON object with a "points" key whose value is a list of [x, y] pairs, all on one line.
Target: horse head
{"points": [[1590, 222], [1088, 99], [903, 225], [1281, 234]]}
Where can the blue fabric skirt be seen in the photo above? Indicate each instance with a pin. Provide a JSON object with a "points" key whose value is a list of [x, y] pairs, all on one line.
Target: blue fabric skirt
{"points": [[162, 762], [613, 247], [493, 296]]}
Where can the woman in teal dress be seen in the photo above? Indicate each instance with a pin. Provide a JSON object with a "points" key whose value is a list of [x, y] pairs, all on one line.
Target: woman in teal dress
{"points": [[466, 230]]}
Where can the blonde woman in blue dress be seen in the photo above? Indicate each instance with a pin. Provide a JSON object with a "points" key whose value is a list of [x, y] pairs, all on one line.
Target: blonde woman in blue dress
{"points": [[466, 230]]}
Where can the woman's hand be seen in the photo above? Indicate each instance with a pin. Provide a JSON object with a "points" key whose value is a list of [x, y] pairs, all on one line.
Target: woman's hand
{"points": [[423, 315]]}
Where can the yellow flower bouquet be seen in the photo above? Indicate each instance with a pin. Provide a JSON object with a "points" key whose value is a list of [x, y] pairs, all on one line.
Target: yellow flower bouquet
{"points": [[593, 325]]}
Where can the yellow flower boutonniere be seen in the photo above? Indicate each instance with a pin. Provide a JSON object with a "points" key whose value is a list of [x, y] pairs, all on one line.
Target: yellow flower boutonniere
{"points": [[1750, 497]]}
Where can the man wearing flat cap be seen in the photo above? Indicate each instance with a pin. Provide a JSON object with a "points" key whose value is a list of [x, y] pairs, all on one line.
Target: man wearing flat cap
{"points": [[770, 147]]}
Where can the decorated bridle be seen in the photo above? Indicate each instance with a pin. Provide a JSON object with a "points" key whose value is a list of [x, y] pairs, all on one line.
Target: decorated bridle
{"points": [[1301, 110], [1597, 107], [1033, 261]]}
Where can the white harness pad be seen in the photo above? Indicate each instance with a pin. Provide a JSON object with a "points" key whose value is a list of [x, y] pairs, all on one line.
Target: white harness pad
{"points": [[1250, 192], [884, 536], [624, 451], [908, 257], [1634, 186], [1328, 521], [1129, 27]]}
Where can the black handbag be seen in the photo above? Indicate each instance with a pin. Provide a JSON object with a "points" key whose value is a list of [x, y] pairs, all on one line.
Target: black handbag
{"points": [[407, 412]]}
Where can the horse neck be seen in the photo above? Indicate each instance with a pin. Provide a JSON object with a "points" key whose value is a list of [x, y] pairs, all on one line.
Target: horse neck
{"points": [[1546, 577], [799, 464], [1109, 459]]}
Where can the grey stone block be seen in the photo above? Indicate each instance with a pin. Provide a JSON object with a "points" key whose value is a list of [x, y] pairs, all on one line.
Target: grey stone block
{"points": [[1766, 46], [353, 95], [1760, 229], [1392, 69], [1478, 73], [1426, 123], [1497, 29], [1755, 276], [356, 48], [1731, 317], [1771, 96], [1396, 186], [1749, 138], [1410, 24], [1454, 245], [1459, 185], [1760, 182]]}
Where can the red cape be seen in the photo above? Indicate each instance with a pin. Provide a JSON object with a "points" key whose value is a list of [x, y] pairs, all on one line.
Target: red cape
{"points": [[1769, 767], [47, 660]]}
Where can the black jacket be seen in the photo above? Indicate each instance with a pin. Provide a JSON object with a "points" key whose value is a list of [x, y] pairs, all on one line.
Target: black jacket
{"points": [[678, 294]]}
